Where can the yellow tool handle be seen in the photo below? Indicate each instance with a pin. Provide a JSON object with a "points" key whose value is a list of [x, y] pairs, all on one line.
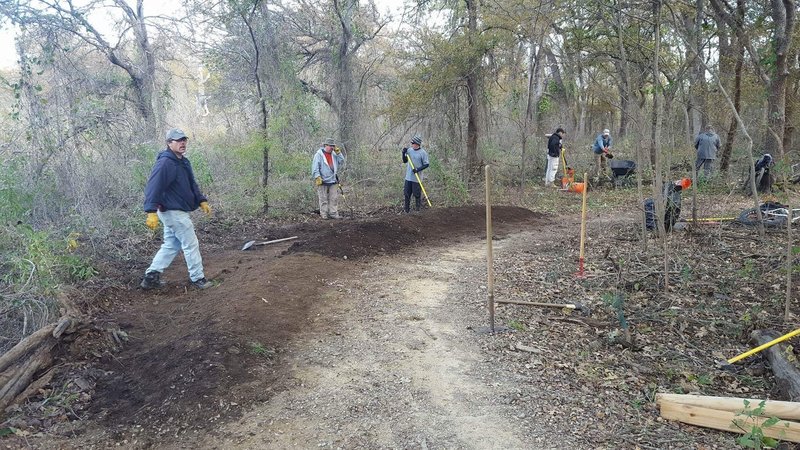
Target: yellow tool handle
{"points": [[710, 219], [563, 163], [420, 182], [763, 346]]}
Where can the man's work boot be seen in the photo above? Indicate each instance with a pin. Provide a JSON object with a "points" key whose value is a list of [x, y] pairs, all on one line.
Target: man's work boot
{"points": [[152, 280], [201, 284]]}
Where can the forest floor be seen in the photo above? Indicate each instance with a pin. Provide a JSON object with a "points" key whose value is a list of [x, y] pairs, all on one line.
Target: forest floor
{"points": [[369, 333]]}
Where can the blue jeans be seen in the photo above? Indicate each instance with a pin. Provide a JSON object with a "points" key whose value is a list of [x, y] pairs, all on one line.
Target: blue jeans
{"points": [[178, 235]]}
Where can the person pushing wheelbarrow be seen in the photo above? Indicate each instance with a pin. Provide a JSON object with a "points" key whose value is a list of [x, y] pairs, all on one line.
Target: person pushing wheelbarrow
{"points": [[416, 159]]}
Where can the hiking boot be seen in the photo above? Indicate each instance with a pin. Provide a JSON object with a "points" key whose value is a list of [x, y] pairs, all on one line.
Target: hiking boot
{"points": [[152, 280], [201, 284]]}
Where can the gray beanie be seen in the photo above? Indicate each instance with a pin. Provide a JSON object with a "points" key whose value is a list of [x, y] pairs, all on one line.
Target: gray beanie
{"points": [[417, 139]]}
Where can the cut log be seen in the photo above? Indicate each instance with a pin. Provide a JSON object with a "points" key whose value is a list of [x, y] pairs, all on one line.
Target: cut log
{"points": [[727, 421], [787, 374], [41, 359], [30, 360], [24, 346], [34, 387], [772, 408]]}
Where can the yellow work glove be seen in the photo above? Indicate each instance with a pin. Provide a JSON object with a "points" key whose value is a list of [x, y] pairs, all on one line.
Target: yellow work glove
{"points": [[152, 221], [206, 209], [318, 181], [337, 150]]}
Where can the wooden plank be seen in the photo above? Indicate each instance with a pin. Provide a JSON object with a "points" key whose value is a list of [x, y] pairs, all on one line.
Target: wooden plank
{"points": [[724, 420], [772, 408]]}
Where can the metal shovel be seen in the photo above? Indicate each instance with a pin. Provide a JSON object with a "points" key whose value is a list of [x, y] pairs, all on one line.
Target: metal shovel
{"points": [[252, 243]]}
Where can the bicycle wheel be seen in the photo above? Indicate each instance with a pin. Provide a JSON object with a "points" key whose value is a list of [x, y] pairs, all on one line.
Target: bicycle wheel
{"points": [[749, 217]]}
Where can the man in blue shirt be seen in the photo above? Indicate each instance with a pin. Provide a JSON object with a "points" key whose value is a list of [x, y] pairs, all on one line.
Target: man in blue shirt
{"points": [[419, 158], [602, 151]]}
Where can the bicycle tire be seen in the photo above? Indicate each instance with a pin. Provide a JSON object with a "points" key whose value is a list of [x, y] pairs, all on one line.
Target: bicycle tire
{"points": [[749, 217]]}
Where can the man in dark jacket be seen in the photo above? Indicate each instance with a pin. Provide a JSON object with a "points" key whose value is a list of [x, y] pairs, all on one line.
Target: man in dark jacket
{"points": [[554, 146], [706, 144], [170, 195]]}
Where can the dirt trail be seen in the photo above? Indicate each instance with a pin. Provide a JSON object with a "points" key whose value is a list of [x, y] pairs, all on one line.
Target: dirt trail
{"points": [[404, 371]]}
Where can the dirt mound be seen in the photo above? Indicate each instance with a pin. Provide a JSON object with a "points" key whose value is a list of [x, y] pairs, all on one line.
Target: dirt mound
{"points": [[389, 235], [197, 358]]}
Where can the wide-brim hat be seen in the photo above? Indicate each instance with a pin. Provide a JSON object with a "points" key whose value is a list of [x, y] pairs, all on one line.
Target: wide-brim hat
{"points": [[329, 141]]}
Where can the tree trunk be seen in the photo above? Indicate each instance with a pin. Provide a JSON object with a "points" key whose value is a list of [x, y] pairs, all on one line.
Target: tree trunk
{"points": [[783, 18], [624, 84], [731, 52], [781, 360], [727, 149], [345, 90], [143, 75], [473, 164], [534, 94], [262, 104]]}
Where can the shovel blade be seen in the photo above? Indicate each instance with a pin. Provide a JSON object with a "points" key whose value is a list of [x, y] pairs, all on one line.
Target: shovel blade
{"points": [[248, 244]]}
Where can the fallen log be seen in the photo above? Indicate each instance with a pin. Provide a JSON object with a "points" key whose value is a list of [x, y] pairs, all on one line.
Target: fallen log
{"points": [[23, 376], [25, 346], [728, 421], [782, 361], [25, 368], [772, 408]]}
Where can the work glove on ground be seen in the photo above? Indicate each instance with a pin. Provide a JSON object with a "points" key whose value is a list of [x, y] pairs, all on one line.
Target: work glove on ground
{"points": [[318, 181], [206, 209], [151, 221]]}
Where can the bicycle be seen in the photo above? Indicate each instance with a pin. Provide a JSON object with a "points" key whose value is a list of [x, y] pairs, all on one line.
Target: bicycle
{"points": [[773, 215]]}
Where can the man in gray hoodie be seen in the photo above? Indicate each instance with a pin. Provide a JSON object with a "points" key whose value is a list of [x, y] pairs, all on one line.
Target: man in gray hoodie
{"points": [[706, 144], [325, 173]]}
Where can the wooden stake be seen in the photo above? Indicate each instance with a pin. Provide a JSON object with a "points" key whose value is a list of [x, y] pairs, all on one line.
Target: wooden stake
{"points": [[583, 224], [489, 257]]}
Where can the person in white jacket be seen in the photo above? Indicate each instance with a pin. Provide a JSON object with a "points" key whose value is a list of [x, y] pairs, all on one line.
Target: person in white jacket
{"points": [[325, 173]]}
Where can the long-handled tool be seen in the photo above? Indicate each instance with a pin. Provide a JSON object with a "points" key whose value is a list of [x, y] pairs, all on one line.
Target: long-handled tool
{"points": [[710, 219], [344, 197], [253, 243], [414, 169], [764, 346], [569, 173], [575, 305]]}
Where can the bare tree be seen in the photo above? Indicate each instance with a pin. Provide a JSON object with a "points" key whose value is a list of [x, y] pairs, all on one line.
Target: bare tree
{"points": [[137, 60], [783, 13], [329, 37]]}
